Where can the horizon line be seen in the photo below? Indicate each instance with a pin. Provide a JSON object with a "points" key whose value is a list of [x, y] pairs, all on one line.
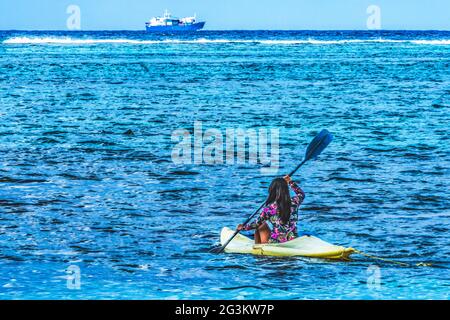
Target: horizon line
{"points": [[214, 30]]}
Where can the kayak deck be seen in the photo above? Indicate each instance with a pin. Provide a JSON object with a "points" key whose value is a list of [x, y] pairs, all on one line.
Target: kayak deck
{"points": [[305, 246]]}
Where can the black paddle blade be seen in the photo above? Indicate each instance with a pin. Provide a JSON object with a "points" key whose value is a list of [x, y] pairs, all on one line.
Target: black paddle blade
{"points": [[318, 144], [216, 249]]}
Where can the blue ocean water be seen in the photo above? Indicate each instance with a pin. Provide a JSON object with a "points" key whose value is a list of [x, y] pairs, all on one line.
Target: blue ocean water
{"points": [[87, 178]]}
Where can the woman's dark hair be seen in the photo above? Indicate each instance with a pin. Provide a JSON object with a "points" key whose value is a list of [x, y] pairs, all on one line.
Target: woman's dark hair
{"points": [[279, 193]]}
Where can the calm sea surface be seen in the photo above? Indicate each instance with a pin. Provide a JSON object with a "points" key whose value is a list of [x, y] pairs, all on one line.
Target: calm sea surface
{"points": [[87, 180]]}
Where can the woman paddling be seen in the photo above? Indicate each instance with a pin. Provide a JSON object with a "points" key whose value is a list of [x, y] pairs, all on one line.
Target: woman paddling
{"points": [[280, 210]]}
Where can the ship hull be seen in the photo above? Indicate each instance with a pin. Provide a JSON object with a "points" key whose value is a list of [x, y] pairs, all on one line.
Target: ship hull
{"points": [[189, 27]]}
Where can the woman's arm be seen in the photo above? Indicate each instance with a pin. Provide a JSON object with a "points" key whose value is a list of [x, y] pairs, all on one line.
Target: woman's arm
{"points": [[265, 215], [299, 193]]}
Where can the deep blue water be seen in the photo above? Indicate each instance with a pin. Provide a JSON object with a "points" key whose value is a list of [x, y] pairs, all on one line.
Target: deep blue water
{"points": [[78, 189]]}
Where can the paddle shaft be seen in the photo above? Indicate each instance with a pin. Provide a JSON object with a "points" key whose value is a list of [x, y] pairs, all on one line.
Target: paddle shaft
{"points": [[298, 167], [257, 210]]}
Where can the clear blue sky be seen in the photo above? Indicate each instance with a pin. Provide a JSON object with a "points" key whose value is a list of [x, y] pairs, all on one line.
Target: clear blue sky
{"points": [[227, 14]]}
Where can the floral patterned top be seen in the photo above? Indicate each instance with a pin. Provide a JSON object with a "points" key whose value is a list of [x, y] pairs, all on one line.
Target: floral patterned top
{"points": [[280, 232]]}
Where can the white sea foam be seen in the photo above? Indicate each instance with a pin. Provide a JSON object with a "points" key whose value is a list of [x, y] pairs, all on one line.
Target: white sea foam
{"points": [[432, 42], [78, 41], [60, 40]]}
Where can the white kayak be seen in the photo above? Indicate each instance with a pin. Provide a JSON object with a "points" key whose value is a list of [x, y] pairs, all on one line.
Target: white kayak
{"points": [[305, 246]]}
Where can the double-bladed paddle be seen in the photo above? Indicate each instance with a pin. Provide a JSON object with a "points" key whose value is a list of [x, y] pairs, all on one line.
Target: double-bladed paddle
{"points": [[315, 147]]}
